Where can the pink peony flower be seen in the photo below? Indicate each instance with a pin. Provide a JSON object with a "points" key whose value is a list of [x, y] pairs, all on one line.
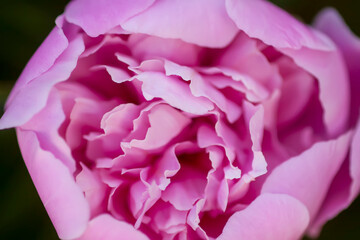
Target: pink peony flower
{"points": [[206, 119]]}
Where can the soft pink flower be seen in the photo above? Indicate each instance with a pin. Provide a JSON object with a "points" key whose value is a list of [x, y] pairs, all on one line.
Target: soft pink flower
{"points": [[206, 119]]}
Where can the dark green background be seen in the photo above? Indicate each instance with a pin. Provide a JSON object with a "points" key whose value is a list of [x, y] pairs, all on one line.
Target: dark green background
{"points": [[24, 24]]}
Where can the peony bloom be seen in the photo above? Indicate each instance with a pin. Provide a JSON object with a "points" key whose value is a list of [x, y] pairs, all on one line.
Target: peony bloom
{"points": [[202, 119]]}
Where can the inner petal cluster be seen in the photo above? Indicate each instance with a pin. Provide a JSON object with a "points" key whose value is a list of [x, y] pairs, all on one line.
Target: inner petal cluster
{"points": [[171, 136]]}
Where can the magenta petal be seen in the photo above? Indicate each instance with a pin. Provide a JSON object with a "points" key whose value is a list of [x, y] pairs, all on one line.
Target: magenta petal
{"points": [[106, 227], [355, 164], [307, 177], [268, 217], [186, 20], [97, 17], [62, 197]]}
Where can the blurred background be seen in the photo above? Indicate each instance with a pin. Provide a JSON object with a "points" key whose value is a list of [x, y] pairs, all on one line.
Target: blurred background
{"points": [[24, 24]]}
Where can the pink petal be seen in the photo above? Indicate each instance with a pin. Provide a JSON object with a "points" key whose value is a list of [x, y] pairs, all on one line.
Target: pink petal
{"points": [[297, 88], [94, 189], [186, 187], [245, 58], [268, 217], [329, 69], [62, 197], [98, 17], [165, 124], [46, 124], [200, 87], [44, 58], [344, 189], [355, 164], [106, 227], [309, 49], [32, 98], [254, 119], [263, 20], [145, 47], [330, 22], [186, 20], [175, 92], [307, 177]]}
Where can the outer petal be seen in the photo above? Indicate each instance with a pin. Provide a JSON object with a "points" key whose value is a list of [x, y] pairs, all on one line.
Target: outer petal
{"points": [[330, 71], [62, 198], [42, 60], [106, 227], [31, 98], [344, 189], [355, 164], [97, 17], [275, 27], [46, 124], [268, 217], [308, 176], [330, 22], [309, 49], [186, 20]]}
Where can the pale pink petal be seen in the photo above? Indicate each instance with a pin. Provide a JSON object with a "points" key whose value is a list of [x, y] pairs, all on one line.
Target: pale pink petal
{"points": [[245, 58], [188, 185], [254, 119], [167, 166], [98, 17], [86, 117], [94, 189], [106, 227], [186, 20], [200, 87], [46, 124], [263, 20], [268, 217], [62, 197], [31, 99], [307, 177], [243, 83], [168, 219], [145, 47], [175, 92], [330, 22], [165, 124], [118, 75]]}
